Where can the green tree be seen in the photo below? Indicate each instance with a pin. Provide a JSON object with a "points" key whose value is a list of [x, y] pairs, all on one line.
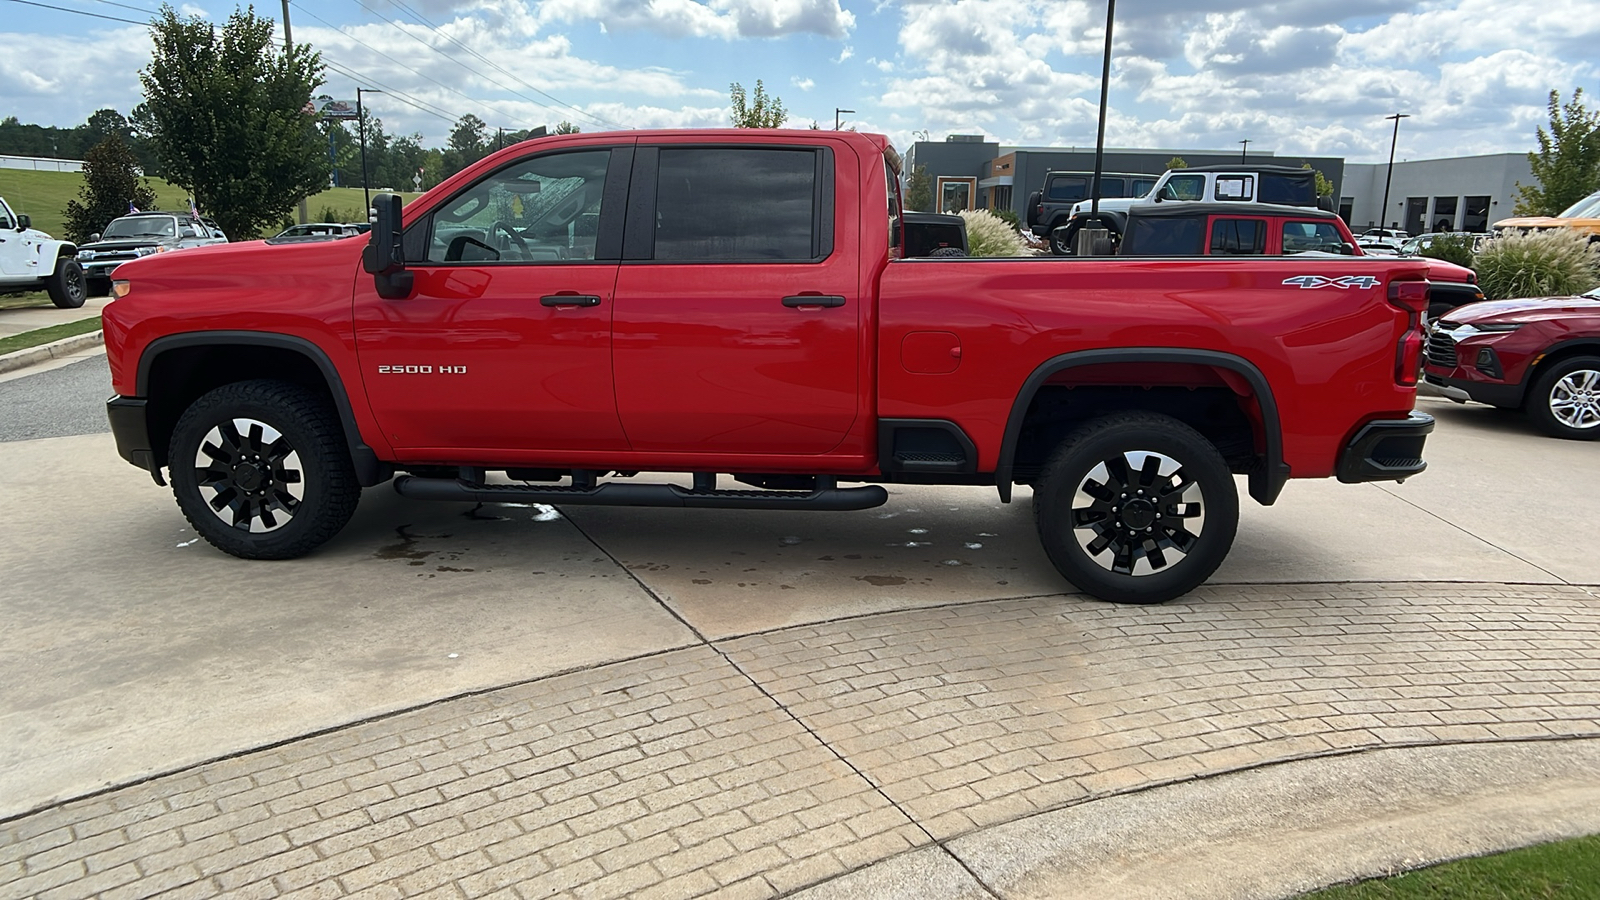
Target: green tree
{"points": [[760, 112], [919, 189], [111, 184], [1177, 162], [1567, 165], [229, 114], [1324, 186], [566, 127], [467, 144]]}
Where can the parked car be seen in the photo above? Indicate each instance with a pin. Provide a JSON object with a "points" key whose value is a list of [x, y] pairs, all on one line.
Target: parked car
{"points": [[1051, 206], [1264, 229], [1415, 246], [1393, 235], [31, 260], [1540, 355], [1281, 185], [1582, 217], [141, 234], [319, 231]]}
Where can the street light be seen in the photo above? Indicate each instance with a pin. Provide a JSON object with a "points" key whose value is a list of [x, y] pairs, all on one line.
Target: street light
{"points": [[1089, 236], [1244, 149], [361, 126], [1383, 210], [836, 112]]}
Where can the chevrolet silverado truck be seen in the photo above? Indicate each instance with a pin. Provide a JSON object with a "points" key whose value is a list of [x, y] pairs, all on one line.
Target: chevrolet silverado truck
{"points": [[577, 309]]}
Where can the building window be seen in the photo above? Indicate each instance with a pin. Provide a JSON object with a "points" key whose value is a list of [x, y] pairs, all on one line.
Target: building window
{"points": [[1475, 217], [1347, 208], [956, 194], [1002, 197], [1444, 213]]}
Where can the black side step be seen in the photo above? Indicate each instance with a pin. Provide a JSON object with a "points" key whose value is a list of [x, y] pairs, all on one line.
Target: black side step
{"points": [[616, 494]]}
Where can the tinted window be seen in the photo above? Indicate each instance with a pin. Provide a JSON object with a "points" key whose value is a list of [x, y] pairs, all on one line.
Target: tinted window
{"points": [[543, 209], [1068, 188], [1142, 186], [1290, 190], [1300, 237], [1238, 237], [1165, 236], [1112, 187], [1234, 187], [736, 204]]}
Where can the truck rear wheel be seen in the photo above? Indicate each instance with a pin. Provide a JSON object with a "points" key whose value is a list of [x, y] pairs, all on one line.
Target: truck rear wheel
{"points": [[66, 286], [1136, 508], [261, 470]]}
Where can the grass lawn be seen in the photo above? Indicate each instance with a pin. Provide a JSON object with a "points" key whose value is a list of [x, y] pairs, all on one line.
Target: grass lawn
{"points": [[1565, 870], [22, 301], [45, 335], [43, 196]]}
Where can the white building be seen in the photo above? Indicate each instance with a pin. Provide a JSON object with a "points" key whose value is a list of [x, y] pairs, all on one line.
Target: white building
{"points": [[1463, 193]]}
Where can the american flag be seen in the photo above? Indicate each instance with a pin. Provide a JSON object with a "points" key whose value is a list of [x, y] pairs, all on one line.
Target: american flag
{"points": [[131, 208]]}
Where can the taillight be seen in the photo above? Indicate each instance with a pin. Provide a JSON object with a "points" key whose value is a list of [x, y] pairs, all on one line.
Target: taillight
{"points": [[1412, 298]]}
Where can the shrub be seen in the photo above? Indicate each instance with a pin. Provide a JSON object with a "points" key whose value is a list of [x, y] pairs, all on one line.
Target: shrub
{"points": [[1456, 248], [330, 214], [1541, 264], [988, 235], [1008, 216]]}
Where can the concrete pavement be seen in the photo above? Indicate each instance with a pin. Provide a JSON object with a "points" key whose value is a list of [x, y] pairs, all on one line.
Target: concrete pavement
{"points": [[526, 702]]}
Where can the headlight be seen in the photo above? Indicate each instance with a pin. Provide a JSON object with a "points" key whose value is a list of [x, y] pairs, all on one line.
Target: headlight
{"points": [[1497, 327], [86, 254]]}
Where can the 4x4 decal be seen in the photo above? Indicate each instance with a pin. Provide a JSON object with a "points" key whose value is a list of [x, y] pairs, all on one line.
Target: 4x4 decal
{"points": [[1343, 281]]}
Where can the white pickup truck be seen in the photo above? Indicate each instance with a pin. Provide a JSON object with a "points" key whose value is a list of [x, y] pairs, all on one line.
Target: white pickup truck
{"points": [[31, 260]]}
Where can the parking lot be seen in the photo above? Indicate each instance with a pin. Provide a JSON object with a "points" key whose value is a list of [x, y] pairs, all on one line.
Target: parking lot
{"points": [[614, 702]]}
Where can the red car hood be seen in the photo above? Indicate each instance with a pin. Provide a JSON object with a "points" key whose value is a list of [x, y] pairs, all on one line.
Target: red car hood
{"points": [[1530, 309]]}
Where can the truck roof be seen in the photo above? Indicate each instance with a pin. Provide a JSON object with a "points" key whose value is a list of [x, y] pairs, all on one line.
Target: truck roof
{"points": [[1246, 167]]}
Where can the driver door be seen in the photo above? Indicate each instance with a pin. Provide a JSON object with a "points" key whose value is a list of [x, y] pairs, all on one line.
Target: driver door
{"points": [[504, 347], [15, 247]]}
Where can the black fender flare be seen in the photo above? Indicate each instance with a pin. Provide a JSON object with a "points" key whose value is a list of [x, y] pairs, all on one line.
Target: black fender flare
{"points": [[1265, 481], [369, 469]]}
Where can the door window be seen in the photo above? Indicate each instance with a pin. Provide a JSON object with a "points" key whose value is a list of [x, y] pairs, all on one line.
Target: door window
{"points": [[540, 210], [738, 204], [1305, 237], [1068, 188], [1238, 237], [1184, 187], [1235, 187]]}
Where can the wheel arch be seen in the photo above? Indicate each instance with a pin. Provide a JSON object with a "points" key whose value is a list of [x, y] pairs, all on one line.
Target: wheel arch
{"points": [[1557, 352], [1266, 478], [177, 369]]}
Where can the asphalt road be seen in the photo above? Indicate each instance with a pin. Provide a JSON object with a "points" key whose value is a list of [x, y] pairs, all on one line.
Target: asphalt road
{"points": [[61, 402]]}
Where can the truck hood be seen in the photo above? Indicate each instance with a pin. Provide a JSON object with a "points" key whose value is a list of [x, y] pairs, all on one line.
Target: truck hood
{"points": [[1527, 309], [1440, 270]]}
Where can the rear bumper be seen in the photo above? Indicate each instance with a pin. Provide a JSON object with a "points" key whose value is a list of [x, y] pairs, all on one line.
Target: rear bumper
{"points": [[131, 428], [1386, 450]]}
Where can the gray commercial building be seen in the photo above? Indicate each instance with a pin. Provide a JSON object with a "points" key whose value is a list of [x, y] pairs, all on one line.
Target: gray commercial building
{"points": [[1464, 193], [969, 172]]}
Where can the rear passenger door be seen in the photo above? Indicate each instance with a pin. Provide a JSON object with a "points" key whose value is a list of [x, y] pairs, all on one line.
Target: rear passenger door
{"points": [[738, 316]]}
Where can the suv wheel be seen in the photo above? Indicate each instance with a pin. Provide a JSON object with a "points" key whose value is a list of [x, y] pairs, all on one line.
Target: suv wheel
{"points": [[65, 285], [1565, 401], [1136, 508], [261, 470]]}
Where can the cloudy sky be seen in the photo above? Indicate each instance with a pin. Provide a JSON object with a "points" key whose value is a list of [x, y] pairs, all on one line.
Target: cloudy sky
{"points": [[1292, 76]]}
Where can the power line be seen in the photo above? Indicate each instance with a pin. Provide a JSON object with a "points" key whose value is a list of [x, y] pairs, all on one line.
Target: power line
{"points": [[78, 12], [143, 9], [497, 113], [403, 97], [498, 68]]}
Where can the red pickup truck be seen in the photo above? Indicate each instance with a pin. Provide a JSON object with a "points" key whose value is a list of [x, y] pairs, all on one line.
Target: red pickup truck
{"points": [[735, 303]]}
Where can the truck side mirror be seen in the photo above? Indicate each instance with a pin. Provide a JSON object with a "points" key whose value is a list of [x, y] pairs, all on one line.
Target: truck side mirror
{"points": [[384, 256]]}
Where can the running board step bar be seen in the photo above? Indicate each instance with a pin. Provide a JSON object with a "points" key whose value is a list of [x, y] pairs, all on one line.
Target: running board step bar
{"points": [[617, 494]]}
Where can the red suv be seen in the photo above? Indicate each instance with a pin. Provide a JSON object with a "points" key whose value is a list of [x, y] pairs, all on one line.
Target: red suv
{"points": [[1541, 355]]}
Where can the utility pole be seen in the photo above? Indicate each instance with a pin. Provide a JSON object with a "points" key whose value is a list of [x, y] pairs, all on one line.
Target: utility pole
{"points": [[288, 47], [1095, 238], [361, 125], [1383, 212], [1244, 149]]}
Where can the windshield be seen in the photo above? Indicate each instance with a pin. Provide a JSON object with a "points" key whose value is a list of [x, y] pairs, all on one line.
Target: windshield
{"points": [[1587, 208], [140, 227]]}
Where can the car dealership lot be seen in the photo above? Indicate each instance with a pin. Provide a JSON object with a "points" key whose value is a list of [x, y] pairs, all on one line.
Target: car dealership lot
{"points": [[914, 672]]}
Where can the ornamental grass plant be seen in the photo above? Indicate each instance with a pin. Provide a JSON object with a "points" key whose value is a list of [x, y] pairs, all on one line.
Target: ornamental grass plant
{"points": [[989, 235], [1541, 264]]}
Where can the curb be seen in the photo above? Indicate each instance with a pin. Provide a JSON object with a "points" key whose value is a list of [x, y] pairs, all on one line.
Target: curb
{"points": [[21, 359]]}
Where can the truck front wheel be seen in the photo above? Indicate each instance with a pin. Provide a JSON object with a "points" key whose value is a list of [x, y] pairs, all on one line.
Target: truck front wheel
{"points": [[66, 285], [1136, 508], [261, 470]]}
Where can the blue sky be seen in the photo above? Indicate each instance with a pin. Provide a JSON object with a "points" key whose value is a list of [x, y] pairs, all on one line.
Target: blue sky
{"points": [[1293, 76]]}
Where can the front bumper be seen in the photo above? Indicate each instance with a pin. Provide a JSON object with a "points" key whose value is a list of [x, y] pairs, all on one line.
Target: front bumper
{"points": [[131, 428], [1502, 394], [1386, 450], [101, 269]]}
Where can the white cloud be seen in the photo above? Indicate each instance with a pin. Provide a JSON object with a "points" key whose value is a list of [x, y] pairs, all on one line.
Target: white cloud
{"points": [[725, 19], [804, 84]]}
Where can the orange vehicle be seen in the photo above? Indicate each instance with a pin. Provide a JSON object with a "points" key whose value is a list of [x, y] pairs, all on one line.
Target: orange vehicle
{"points": [[1583, 216]]}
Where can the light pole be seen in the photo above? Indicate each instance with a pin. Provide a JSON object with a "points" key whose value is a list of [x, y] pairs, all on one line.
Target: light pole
{"points": [[836, 112], [361, 126], [1384, 209], [1245, 148], [1097, 228]]}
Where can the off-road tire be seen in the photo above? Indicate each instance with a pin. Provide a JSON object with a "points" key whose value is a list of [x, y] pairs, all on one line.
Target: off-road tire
{"points": [[311, 458], [1147, 531], [66, 285], [1565, 399], [947, 252]]}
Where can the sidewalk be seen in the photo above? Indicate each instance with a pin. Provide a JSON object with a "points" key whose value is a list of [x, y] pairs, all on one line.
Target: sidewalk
{"points": [[33, 359], [32, 318]]}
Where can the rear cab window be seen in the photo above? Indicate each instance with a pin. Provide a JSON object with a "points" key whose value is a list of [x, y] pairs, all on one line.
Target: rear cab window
{"points": [[1238, 237]]}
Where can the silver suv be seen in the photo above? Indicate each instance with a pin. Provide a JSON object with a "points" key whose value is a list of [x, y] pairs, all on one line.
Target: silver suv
{"points": [[141, 234]]}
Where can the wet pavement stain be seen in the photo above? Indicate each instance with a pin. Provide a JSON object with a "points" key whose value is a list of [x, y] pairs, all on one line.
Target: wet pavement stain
{"points": [[881, 580]]}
